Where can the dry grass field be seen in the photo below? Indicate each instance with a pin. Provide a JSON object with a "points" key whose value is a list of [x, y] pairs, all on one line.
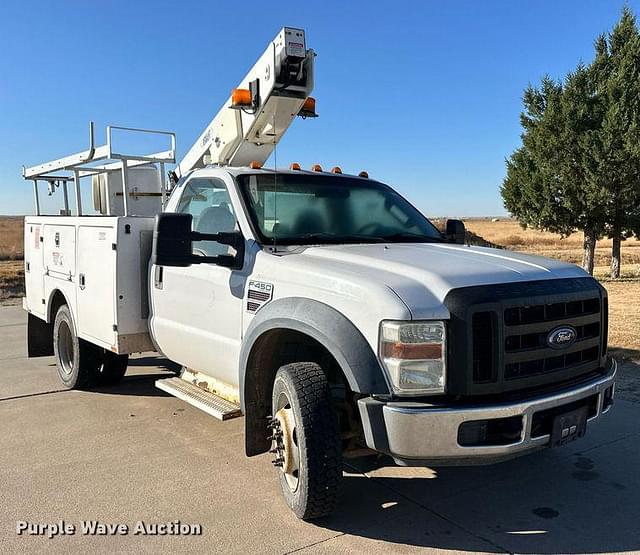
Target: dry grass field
{"points": [[624, 294], [624, 316], [11, 254], [11, 279], [508, 234], [11, 238]]}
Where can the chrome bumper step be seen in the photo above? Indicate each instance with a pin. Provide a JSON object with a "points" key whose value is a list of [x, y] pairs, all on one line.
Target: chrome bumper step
{"points": [[199, 398]]}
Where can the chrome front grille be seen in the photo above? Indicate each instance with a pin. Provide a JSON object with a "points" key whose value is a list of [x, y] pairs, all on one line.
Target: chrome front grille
{"points": [[527, 328], [499, 334]]}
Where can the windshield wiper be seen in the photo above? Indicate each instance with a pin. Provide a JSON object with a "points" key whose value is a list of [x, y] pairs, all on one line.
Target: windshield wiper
{"points": [[411, 237], [333, 238]]}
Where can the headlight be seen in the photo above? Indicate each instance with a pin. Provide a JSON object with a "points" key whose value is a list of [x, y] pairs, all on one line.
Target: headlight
{"points": [[413, 353]]}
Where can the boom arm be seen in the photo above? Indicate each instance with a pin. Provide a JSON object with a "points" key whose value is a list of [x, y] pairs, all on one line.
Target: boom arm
{"points": [[251, 123]]}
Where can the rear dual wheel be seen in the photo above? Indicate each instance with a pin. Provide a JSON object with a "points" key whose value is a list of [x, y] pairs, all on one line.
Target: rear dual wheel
{"points": [[112, 368], [82, 364]]}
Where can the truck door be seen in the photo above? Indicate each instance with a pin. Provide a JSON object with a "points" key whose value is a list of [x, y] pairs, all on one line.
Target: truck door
{"points": [[197, 310]]}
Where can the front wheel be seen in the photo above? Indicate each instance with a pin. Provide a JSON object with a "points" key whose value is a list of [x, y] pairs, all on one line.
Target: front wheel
{"points": [[305, 440]]}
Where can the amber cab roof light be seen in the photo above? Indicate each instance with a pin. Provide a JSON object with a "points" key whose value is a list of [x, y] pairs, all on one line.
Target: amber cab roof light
{"points": [[308, 109], [363, 174], [255, 165], [336, 170], [241, 98], [316, 168], [294, 166]]}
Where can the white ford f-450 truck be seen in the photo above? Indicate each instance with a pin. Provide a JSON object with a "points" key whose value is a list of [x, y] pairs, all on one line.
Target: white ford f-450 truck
{"points": [[323, 307]]}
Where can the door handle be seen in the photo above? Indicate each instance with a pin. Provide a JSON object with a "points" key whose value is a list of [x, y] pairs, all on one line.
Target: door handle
{"points": [[157, 278], [81, 281]]}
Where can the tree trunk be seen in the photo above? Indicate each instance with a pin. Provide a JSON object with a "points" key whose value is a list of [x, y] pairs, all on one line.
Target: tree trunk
{"points": [[615, 254], [589, 246]]}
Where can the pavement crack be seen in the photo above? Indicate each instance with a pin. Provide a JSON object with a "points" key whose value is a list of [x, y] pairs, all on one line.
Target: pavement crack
{"points": [[432, 511], [26, 395], [314, 544]]}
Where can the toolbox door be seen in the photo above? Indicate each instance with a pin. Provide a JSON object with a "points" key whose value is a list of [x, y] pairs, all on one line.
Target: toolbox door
{"points": [[34, 268], [96, 284], [59, 250]]}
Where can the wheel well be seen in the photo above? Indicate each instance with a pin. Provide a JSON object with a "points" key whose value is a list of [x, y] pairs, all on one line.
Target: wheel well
{"points": [[271, 350], [57, 300], [40, 332]]}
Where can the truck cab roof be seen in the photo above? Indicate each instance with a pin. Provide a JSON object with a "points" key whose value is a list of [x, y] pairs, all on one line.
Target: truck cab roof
{"points": [[280, 171]]}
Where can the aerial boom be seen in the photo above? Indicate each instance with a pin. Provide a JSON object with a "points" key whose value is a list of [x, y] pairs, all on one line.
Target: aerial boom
{"points": [[258, 113]]}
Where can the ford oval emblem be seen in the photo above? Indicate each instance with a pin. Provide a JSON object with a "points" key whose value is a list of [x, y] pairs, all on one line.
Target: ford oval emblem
{"points": [[561, 338]]}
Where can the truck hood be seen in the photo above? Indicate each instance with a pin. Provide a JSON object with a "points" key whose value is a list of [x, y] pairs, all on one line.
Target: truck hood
{"points": [[422, 274]]}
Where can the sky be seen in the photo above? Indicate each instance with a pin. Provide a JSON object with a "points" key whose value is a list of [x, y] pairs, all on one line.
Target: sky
{"points": [[425, 96]]}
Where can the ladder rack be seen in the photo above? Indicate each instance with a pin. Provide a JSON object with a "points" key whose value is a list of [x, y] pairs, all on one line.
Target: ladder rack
{"points": [[76, 166], [245, 130]]}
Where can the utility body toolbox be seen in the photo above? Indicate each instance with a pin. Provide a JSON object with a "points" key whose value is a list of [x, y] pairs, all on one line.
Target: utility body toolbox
{"points": [[99, 264]]}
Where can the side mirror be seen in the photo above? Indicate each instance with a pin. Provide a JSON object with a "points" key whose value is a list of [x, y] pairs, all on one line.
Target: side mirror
{"points": [[173, 243], [455, 231]]}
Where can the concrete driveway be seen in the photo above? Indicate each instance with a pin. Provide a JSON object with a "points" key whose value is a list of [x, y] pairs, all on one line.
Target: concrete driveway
{"points": [[131, 453]]}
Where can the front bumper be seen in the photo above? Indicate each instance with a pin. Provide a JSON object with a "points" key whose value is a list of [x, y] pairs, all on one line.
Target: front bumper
{"points": [[416, 434]]}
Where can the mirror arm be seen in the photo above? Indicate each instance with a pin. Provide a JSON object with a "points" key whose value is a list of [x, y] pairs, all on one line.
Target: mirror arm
{"points": [[226, 238], [226, 260]]}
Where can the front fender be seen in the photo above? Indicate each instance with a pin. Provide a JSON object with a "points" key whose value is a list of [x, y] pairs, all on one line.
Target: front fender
{"points": [[330, 328]]}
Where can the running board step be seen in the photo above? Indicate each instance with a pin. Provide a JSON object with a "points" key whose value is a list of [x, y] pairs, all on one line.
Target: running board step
{"points": [[199, 398]]}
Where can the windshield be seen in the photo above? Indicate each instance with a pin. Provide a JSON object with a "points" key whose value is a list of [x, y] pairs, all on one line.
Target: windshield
{"points": [[295, 209]]}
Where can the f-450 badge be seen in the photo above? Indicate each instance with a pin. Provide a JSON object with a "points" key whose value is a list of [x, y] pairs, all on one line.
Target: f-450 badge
{"points": [[259, 293]]}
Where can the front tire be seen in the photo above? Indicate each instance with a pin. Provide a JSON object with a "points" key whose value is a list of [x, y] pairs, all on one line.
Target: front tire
{"points": [[306, 440], [76, 359]]}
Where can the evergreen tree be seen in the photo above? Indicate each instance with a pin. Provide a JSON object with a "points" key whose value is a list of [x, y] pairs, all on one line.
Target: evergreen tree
{"points": [[548, 185], [579, 164], [616, 69]]}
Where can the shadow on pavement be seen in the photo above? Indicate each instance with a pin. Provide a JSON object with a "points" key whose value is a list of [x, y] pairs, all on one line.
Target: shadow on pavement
{"points": [[155, 361], [140, 385], [625, 354], [554, 501]]}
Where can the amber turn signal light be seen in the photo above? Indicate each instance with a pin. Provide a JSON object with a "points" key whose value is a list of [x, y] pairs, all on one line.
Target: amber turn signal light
{"points": [[413, 351]]}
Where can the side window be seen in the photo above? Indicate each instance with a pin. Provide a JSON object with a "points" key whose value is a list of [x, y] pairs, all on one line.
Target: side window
{"points": [[207, 200]]}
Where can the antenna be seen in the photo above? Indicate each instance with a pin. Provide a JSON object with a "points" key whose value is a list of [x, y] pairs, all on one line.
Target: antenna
{"points": [[275, 187]]}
